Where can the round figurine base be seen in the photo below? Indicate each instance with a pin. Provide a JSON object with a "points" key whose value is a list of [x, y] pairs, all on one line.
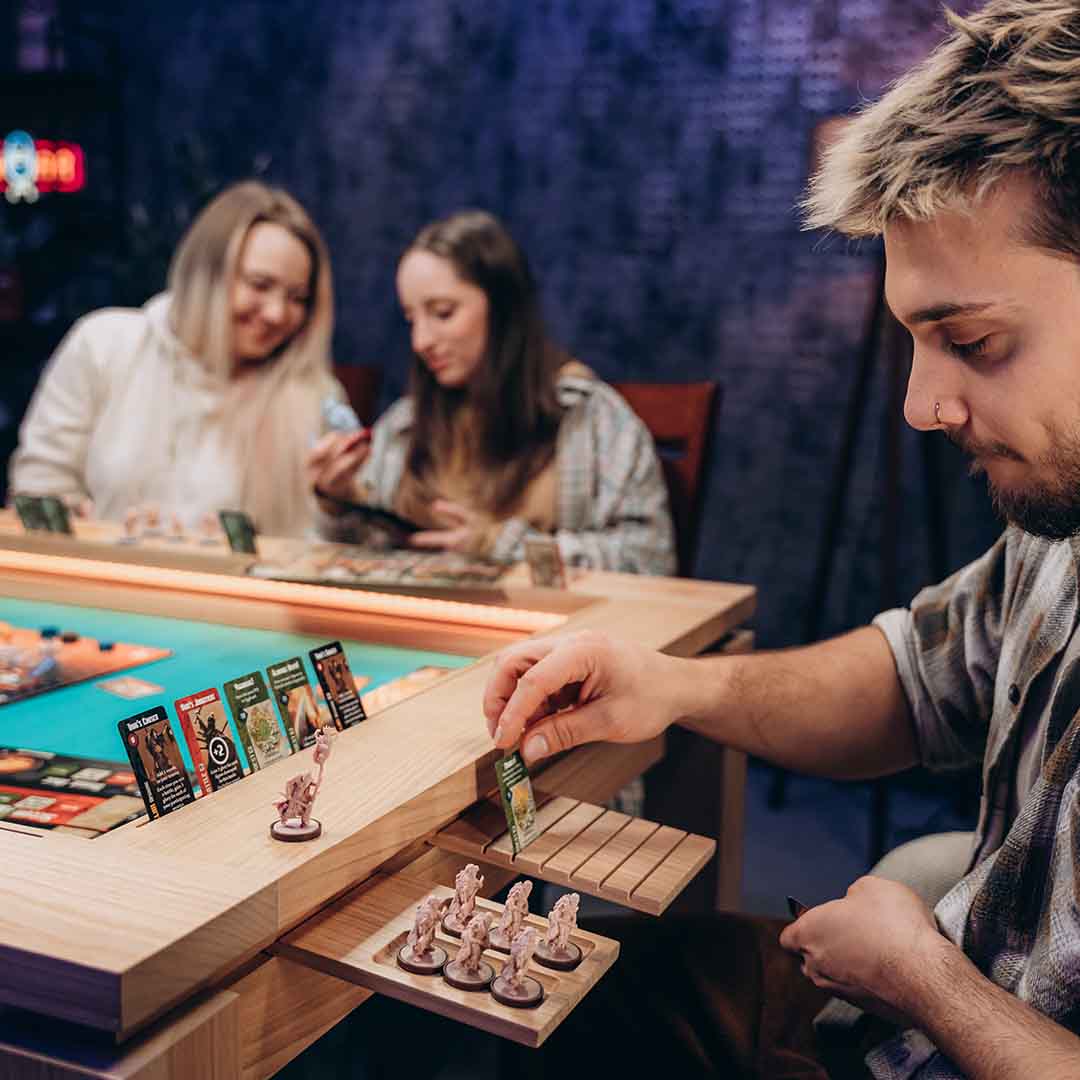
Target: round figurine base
{"points": [[463, 979], [292, 832], [429, 963], [560, 959], [527, 996], [499, 941], [453, 925]]}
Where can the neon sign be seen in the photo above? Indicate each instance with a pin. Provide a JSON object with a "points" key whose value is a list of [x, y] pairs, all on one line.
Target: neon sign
{"points": [[30, 166]]}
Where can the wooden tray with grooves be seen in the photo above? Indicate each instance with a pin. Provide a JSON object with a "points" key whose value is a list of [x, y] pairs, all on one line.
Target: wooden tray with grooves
{"points": [[639, 864], [357, 940]]}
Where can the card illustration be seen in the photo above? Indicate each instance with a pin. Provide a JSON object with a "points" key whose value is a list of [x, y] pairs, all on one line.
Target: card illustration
{"points": [[210, 740], [545, 563], [336, 678], [253, 713], [518, 800], [296, 702], [156, 761]]}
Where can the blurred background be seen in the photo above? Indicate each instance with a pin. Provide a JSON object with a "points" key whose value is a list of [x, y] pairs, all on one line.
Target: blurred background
{"points": [[648, 154]]}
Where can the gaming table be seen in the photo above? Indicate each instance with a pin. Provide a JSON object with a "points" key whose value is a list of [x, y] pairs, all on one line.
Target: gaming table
{"points": [[153, 950]]}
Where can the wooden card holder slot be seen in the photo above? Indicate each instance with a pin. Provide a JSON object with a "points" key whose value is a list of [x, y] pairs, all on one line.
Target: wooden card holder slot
{"points": [[358, 937], [637, 863]]}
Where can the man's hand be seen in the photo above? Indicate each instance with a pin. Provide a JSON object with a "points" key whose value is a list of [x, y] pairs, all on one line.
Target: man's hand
{"points": [[332, 463], [556, 692], [864, 948]]}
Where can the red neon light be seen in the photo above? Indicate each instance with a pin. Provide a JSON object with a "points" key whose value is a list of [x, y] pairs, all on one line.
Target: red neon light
{"points": [[61, 166]]}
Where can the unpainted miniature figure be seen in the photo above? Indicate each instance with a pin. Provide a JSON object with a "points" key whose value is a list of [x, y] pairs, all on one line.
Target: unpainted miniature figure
{"points": [[420, 954], [467, 883], [130, 534], [557, 950], [513, 916], [294, 807], [469, 970], [512, 986]]}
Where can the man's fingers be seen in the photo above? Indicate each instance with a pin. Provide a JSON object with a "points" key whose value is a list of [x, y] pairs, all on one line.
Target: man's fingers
{"points": [[431, 538], [510, 665], [564, 730], [568, 663]]}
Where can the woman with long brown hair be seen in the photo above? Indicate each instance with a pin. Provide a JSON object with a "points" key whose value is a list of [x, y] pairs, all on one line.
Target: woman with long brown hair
{"points": [[210, 395], [501, 435]]}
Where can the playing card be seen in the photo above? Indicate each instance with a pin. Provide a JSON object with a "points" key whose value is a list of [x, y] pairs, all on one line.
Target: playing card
{"points": [[332, 668], [255, 720], [156, 761], [210, 740]]}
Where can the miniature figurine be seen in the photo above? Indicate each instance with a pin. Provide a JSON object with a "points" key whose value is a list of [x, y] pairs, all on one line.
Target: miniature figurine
{"points": [[467, 884], [557, 950], [469, 970], [131, 526], [294, 807], [209, 529], [420, 954], [512, 986], [151, 516], [517, 907], [177, 533]]}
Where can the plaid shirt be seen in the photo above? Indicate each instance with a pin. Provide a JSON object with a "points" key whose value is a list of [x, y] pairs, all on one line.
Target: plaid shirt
{"points": [[612, 500], [986, 655]]}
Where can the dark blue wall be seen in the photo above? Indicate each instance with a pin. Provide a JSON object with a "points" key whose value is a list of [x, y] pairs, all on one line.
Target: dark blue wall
{"points": [[648, 153]]}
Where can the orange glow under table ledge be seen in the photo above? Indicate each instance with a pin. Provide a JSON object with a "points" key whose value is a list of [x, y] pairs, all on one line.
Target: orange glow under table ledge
{"points": [[326, 597]]}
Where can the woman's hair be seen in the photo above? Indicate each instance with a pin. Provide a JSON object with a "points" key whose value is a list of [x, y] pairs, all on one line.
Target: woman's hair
{"points": [[999, 96], [514, 398], [274, 413]]}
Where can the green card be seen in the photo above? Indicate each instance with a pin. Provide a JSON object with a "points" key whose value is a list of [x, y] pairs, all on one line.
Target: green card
{"points": [[518, 800]]}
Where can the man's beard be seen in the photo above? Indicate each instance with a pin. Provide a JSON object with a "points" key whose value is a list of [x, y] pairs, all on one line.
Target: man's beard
{"points": [[1048, 510]]}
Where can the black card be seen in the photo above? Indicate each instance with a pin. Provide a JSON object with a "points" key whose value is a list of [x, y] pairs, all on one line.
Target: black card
{"points": [[239, 530], [31, 513], [335, 677], [56, 514], [156, 761]]}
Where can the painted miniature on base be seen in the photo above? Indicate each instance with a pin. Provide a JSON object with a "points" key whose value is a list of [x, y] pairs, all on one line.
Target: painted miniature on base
{"points": [[467, 883], [294, 807], [469, 970], [420, 954], [512, 986], [513, 916], [557, 950]]}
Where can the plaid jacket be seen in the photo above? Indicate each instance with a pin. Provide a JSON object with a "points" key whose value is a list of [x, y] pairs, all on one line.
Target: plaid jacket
{"points": [[612, 502], [989, 652]]}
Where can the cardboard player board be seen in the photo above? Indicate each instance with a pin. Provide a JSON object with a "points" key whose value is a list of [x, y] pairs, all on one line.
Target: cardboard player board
{"points": [[357, 939], [32, 662], [639, 864]]}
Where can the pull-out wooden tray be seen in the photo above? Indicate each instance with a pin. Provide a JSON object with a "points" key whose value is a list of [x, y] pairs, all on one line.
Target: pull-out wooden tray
{"points": [[637, 863], [357, 939]]}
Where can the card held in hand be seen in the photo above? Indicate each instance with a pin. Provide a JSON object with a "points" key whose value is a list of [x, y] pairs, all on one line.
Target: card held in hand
{"points": [[518, 801], [156, 761]]}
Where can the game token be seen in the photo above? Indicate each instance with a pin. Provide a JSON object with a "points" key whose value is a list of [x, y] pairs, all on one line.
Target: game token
{"points": [[295, 822], [69, 636], [50, 631], [106, 646], [513, 916]]}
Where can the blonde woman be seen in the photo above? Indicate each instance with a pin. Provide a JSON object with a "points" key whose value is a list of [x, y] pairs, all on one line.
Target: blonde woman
{"points": [[210, 395]]}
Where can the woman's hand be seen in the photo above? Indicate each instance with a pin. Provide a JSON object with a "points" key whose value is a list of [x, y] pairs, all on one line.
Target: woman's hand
{"points": [[463, 527], [332, 464]]}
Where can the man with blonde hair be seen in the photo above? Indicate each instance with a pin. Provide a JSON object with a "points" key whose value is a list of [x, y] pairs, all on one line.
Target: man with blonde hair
{"points": [[970, 169]]}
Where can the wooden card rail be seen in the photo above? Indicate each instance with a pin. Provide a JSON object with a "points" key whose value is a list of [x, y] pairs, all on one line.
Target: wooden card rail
{"points": [[357, 939], [639, 864]]}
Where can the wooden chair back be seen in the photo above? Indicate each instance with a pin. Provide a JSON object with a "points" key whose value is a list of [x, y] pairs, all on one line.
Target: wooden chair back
{"points": [[679, 417], [362, 383]]}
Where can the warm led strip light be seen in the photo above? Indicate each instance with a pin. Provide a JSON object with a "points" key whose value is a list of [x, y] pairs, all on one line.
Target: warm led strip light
{"points": [[287, 592]]}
